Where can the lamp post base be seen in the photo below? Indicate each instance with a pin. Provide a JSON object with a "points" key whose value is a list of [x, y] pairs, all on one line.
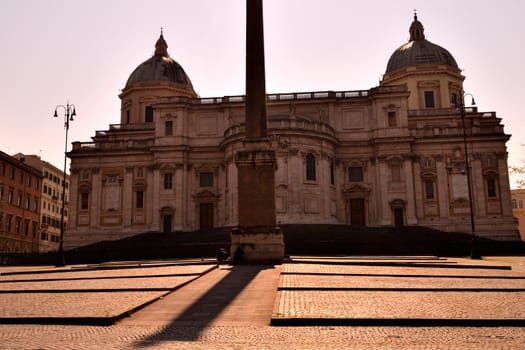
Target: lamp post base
{"points": [[61, 260], [474, 253]]}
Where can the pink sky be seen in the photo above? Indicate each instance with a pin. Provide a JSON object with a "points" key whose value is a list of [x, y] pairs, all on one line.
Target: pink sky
{"points": [[84, 51]]}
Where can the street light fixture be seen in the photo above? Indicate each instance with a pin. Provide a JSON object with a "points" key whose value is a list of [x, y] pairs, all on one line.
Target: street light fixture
{"points": [[474, 254], [69, 113]]}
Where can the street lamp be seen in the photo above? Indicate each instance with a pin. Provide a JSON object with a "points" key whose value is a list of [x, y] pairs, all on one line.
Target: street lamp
{"points": [[69, 113], [474, 254]]}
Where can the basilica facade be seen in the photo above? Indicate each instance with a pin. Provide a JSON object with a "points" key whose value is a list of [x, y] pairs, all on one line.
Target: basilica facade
{"points": [[392, 155]]}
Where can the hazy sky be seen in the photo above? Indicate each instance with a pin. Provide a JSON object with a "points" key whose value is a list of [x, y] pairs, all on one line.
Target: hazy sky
{"points": [[84, 51]]}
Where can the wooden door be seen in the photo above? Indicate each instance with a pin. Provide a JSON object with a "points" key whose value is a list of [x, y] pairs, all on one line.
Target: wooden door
{"points": [[206, 216], [357, 212], [166, 223], [398, 217]]}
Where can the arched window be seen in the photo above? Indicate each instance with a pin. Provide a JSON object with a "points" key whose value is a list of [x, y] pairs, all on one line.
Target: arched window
{"points": [[310, 167]]}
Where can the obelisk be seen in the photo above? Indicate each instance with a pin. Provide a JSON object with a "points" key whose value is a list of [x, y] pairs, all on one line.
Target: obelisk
{"points": [[257, 239]]}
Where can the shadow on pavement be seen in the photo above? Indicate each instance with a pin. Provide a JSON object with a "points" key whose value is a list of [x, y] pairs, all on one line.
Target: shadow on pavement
{"points": [[198, 316]]}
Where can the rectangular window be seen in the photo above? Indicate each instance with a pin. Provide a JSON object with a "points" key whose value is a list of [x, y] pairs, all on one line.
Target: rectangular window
{"points": [[35, 205], [112, 179], [491, 187], [310, 167], [127, 116], [84, 201], [168, 128], [2, 169], [35, 224], [1, 192], [392, 119], [19, 200], [429, 99], [21, 177], [454, 100], [139, 199], [396, 172], [28, 202], [149, 114], [168, 181], [8, 222], [26, 227], [1, 220], [206, 179], [355, 174], [520, 204], [429, 189], [427, 163], [17, 224], [10, 197]]}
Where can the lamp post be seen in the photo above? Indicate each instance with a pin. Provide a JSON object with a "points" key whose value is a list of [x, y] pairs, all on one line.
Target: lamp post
{"points": [[69, 113], [473, 244]]}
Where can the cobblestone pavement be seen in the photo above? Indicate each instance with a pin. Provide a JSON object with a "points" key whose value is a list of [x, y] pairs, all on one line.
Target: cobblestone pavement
{"points": [[439, 289], [32, 337], [104, 291], [313, 289]]}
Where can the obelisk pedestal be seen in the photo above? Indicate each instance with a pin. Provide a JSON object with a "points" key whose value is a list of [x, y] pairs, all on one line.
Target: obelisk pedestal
{"points": [[257, 239]]}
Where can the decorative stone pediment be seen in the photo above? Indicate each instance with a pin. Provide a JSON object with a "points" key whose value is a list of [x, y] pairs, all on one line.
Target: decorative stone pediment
{"points": [[140, 185], [206, 194], [397, 203], [428, 174], [206, 167], [167, 167], [85, 186], [167, 211], [356, 191]]}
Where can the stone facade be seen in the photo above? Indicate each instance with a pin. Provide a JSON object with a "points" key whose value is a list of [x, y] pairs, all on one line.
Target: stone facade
{"points": [[391, 155]]}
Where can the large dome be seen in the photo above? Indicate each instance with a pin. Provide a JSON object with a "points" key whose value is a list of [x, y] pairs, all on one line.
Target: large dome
{"points": [[419, 51], [160, 67]]}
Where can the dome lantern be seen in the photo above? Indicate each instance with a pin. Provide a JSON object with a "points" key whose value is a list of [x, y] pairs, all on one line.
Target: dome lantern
{"points": [[419, 51]]}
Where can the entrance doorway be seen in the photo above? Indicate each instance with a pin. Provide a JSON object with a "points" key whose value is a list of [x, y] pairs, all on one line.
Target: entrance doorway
{"points": [[357, 212], [206, 216], [166, 223], [398, 217]]}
